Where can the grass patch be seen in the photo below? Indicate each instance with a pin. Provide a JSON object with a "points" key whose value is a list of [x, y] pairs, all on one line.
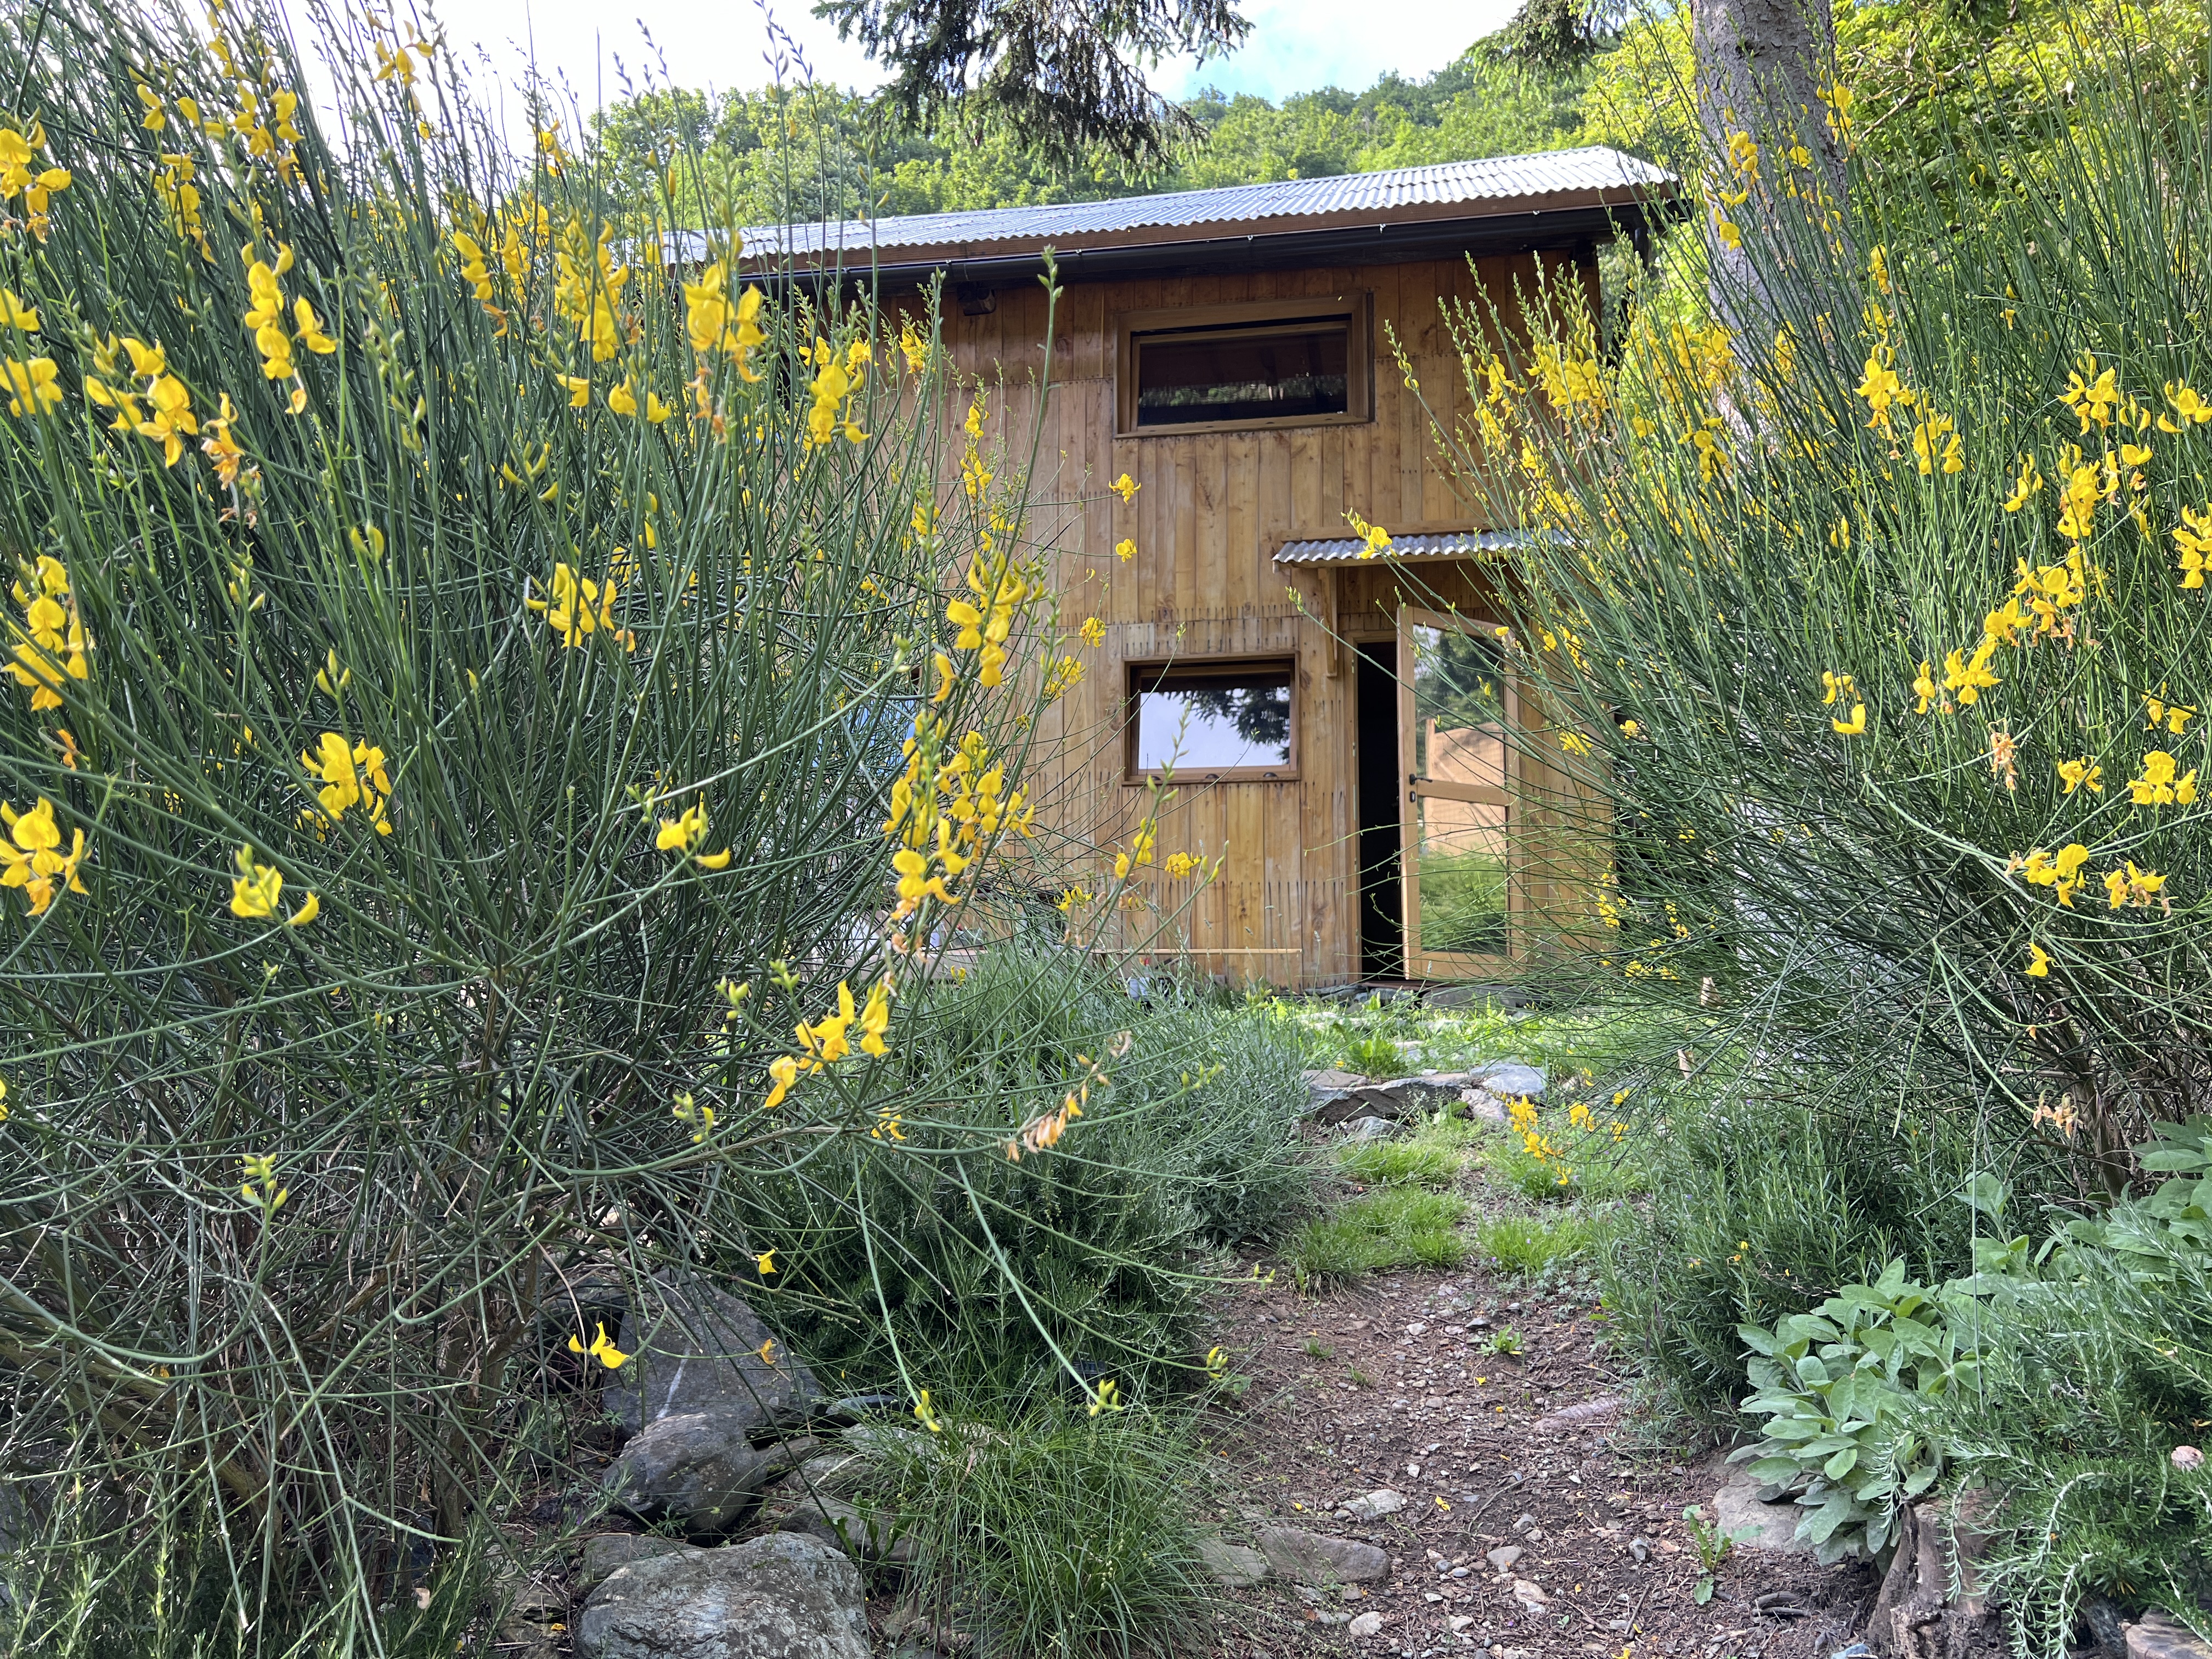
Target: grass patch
{"points": [[1054, 1532], [1398, 1163], [1432, 1156], [1399, 1228], [1528, 1244]]}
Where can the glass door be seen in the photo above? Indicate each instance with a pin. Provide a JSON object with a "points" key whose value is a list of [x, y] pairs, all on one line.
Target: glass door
{"points": [[1457, 705]]}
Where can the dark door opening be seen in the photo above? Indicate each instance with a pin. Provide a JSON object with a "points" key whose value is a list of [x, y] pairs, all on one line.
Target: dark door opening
{"points": [[1381, 800]]}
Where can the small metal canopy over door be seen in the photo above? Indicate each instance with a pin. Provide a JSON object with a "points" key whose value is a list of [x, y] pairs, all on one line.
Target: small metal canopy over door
{"points": [[1456, 708]]}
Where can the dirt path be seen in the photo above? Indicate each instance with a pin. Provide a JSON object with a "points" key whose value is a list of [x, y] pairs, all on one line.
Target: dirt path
{"points": [[1391, 1384]]}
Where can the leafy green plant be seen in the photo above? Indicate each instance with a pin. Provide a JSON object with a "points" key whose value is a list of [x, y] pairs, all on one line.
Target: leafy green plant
{"points": [[1374, 1056], [1835, 1386], [2091, 1375], [1504, 1340], [1397, 1228], [1358, 1378], [1762, 1205], [1316, 1350], [1713, 1545]]}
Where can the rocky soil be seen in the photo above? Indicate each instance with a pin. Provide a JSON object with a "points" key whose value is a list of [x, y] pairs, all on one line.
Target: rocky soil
{"points": [[1521, 1514]]}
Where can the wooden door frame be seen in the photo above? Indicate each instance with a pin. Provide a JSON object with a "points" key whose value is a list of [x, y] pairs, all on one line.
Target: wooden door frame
{"points": [[1450, 964]]}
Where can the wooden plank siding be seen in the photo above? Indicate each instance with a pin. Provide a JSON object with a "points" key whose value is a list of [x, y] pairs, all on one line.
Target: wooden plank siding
{"points": [[1213, 508]]}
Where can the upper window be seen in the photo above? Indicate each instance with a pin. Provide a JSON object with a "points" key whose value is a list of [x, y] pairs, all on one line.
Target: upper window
{"points": [[1211, 720], [1282, 363]]}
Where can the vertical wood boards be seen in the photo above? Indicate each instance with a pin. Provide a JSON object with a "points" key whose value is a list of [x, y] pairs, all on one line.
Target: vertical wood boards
{"points": [[1213, 508]]}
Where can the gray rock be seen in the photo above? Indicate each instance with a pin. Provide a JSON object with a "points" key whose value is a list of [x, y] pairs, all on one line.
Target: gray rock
{"points": [[1402, 1098], [1376, 1504], [838, 1472], [1503, 1558], [1509, 1080], [1739, 1508], [1339, 1108], [612, 1550], [2159, 1635], [698, 1469], [1480, 1103], [864, 1534], [1367, 1624], [700, 1351], [785, 1596], [1360, 1130], [1314, 1558], [818, 1497], [1325, 1089], [1231, 1564]]}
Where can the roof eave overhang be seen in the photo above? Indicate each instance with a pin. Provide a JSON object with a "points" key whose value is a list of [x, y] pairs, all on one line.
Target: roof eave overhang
{"points": [[1191, 250]]}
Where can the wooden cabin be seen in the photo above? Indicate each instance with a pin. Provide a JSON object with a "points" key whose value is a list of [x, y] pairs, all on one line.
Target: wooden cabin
{"points": [[1337, 724]]}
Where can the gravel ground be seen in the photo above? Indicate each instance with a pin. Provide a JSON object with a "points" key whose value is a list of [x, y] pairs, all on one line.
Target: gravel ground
{"points": [[1391, 1385]]}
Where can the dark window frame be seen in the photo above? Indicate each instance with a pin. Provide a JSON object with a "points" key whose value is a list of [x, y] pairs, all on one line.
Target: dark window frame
{"points": [[1135, 330], [1149, 675]]}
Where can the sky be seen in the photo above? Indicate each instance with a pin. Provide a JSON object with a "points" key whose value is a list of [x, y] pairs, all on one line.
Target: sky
{"points": [[1295, 46]]}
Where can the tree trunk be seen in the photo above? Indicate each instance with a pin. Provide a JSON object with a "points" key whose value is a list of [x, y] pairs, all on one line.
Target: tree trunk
{"points": [[1762, 65]]}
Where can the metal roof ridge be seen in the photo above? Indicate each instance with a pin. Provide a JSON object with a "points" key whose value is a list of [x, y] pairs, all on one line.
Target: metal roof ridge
{"points": [[1277, 199]]}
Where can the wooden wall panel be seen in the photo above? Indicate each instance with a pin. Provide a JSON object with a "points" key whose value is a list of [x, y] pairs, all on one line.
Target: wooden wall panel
{"points": [[1213, 509]]}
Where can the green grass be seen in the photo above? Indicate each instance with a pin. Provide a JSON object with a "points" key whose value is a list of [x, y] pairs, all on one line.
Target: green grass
{"points": [[1398, 1228], [1432, 1156], [1052, 1531], [1528, 1244]]}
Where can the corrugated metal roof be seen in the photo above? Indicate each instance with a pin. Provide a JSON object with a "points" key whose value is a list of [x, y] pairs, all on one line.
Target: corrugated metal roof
{"points": [[1595, 173], [1352, 550]]}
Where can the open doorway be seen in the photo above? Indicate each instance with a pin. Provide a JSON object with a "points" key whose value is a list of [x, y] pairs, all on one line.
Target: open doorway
{"points": [[1381, 793]]}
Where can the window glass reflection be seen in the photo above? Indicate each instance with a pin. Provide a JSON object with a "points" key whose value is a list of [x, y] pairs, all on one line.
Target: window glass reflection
{"points": [[1214, 723]]}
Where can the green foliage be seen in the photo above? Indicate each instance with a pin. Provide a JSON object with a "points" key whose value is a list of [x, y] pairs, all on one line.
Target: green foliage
{"points": [[1048, 1531], [1399, 1228], [2090, 1377], [984, 1271], [784, 153], [304, 1192], [1528, 1244], [1552, 1157], [1761, 1209], [1374, 1056], [1953, 100], [1432, 1156], [1834, 1386], [1713, 1547]]}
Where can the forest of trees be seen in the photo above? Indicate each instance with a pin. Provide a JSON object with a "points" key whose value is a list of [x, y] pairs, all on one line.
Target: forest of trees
{"points": [[809, 152]]}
